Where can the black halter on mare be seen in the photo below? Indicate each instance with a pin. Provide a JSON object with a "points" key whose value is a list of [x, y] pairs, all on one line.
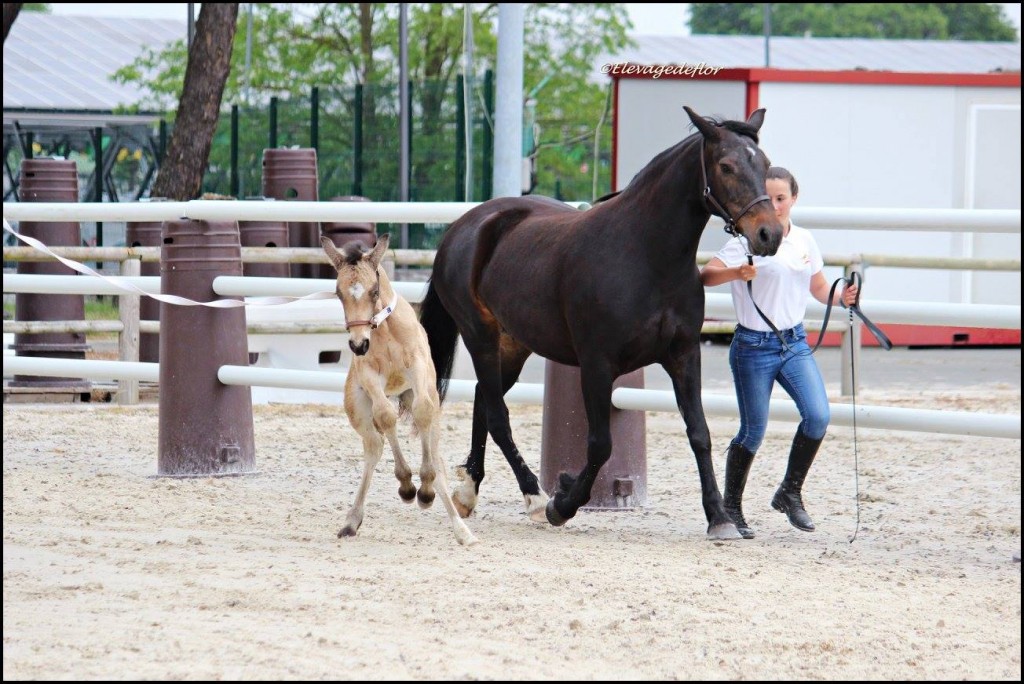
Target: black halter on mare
{"points": [[716, 207]]}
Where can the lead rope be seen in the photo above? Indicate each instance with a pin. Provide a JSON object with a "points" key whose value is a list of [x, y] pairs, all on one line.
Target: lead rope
{"points": [[750, 292], [884, 342], [856, 459]]}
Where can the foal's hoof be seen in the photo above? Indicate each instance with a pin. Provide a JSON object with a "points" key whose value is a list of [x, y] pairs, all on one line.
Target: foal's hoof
{"points": [[724, 532], [553, 516], [407, 494], [347, 531], [425, 498]]}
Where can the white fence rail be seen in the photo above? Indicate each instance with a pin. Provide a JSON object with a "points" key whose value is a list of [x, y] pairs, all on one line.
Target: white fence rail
{"points": [[879, 417], [887, 219], [717, 305], [990, 316]]}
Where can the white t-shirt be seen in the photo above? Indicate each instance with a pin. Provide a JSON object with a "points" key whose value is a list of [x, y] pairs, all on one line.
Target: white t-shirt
{"points": [[782, 284]]}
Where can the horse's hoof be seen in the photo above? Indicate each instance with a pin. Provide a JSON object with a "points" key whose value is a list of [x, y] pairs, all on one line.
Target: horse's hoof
{"points": [[553, 516], [724, 532], [464, 510], [425, 499], [535, 504], [347, 531], [407, 494]]}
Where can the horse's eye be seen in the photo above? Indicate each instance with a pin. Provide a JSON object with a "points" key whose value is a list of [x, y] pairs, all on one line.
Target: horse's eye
{"points": [[727, 168], [375, 294]]}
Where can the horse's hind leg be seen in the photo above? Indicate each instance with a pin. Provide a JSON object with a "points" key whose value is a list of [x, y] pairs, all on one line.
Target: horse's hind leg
{"points": [[497, 363], [472, 473]]}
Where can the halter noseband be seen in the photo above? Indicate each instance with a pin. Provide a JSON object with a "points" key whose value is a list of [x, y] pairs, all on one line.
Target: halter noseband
{"points": [[716, 207]]}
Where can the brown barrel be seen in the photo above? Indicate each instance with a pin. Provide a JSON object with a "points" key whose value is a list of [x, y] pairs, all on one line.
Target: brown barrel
{"points": [[147, 234], [206, 427], [265, 234], [292, 175], [622, 482], [49, 180]]}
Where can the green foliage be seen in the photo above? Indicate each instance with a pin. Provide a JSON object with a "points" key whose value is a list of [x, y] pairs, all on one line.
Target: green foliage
{"points": [[336, 46], [936, 21], [101, 308]]}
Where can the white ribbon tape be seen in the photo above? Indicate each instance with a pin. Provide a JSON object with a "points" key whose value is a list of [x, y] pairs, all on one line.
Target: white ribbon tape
{"points": [[170, 299]]}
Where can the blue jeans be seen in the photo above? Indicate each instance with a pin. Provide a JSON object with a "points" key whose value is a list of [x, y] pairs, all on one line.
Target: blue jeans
{"points": [[757, 360]]}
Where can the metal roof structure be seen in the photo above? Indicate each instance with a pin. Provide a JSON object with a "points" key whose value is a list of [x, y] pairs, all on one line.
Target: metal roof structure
{"points": [[58, 68], [64, 63], [827, 54]]}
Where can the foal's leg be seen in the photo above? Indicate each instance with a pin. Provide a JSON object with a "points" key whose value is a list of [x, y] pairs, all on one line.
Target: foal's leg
{"points": [[684, 370], [385, 418], [406, 489], [424, 409], [430, 443], [358, 408], [498, 361]]}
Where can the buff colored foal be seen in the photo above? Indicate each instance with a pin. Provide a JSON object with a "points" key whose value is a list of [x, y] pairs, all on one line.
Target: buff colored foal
{"points": [[390, 359]]}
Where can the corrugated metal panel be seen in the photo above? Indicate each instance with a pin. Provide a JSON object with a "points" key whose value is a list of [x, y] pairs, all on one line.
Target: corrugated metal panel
{"points": [[65, 62], [827, 54]]}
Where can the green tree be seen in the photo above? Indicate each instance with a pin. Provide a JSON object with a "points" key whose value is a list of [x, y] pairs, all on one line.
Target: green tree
{"points": [[952, 21], [337, 45], [180, 176]]}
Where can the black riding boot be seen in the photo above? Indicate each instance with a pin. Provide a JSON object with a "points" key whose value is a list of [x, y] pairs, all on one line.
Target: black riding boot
{"points": [[787, 497], [737, 465]]}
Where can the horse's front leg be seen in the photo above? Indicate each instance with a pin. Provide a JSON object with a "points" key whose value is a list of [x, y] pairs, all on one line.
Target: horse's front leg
{"points": [[685, 373], [572, 493]]}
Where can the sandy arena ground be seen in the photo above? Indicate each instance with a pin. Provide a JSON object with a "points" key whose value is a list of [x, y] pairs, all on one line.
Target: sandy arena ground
{"points": [[111, 573]]}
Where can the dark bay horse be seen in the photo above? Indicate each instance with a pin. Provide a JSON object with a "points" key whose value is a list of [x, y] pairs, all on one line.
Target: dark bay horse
{"points": [[611, 289]]}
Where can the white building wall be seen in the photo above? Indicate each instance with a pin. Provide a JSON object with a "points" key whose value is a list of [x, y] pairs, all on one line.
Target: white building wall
{"points": [[853, 145], [651, 119]]}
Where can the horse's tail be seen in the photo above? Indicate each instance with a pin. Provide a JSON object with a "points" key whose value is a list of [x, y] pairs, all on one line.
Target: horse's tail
{"points": [[442, 334]]}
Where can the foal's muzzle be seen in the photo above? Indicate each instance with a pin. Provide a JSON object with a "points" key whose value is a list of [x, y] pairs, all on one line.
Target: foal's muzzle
{"points": [[359, 348]]}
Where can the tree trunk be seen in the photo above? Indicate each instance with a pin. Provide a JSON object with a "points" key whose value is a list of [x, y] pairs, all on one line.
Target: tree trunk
{"points": [[209, 61], [11, 10]]}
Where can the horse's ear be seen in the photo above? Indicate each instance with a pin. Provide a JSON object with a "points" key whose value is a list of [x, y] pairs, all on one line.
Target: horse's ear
{"points": [[332, 252], [757, 118], [707, 129], [378, 250]]}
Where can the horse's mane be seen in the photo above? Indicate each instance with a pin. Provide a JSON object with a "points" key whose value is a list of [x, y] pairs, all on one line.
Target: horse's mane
{"points": [[738, 127]]}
